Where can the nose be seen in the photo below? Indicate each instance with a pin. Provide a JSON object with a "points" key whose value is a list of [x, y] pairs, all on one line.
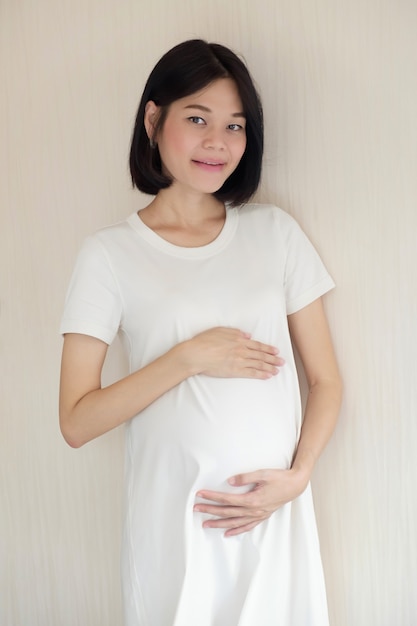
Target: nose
{"points": [[214, 139]]}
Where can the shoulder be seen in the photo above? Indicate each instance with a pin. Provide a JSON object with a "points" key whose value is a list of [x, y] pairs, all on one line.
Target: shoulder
{"points": [[264, 211], [108, 239], [267, 216], [115, 232]]}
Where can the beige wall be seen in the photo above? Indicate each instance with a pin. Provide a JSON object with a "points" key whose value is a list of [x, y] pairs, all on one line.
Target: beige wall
{"points": [[338, 80]]}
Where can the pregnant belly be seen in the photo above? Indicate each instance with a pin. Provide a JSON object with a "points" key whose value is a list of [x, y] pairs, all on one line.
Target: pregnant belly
{"points": [[206, 430]]}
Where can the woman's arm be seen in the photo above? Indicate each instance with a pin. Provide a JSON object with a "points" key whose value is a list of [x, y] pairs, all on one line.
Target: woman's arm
{"points": [[87, 410], [310, 333], [241, 512]]}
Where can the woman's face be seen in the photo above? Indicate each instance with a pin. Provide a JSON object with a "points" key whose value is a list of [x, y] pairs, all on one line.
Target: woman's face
{"points": [[203, 137]]}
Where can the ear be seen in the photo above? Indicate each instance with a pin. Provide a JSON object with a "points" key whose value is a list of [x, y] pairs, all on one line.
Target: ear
{"points": [[150, 118]]}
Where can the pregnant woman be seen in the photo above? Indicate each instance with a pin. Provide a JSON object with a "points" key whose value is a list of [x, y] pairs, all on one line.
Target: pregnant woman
{"points": [[208, 293]]}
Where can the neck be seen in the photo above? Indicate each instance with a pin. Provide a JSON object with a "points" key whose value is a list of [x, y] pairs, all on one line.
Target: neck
{"points": [[187, 208], [185, 220]]}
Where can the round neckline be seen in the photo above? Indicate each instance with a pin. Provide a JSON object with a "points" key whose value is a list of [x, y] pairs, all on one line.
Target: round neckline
{"points": [[199, 252]]}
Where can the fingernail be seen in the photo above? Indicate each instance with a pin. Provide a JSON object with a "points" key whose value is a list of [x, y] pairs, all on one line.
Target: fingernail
{"points": [[232, 481]]}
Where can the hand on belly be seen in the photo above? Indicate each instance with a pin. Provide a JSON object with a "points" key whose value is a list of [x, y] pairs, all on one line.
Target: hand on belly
{"points": [[240, 512]]}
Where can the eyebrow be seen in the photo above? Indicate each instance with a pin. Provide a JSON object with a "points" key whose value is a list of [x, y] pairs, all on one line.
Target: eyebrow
{"points": [[201, 107]]}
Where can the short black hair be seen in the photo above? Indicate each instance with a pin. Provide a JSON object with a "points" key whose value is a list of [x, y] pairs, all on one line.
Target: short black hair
{"points": [[185, 69]]}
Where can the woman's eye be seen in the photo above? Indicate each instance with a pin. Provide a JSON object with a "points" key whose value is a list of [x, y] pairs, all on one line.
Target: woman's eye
{"points": [[196, 120], [235, 127]]}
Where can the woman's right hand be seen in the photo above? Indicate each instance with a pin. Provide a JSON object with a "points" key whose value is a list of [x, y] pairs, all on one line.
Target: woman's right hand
{"points": [[87, 410], [231, 353]]}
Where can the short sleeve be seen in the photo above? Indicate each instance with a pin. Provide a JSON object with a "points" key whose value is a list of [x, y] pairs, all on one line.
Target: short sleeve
{"points": [[93, 303], [306, 277]]}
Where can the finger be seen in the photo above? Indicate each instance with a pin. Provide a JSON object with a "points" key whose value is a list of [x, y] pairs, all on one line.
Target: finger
{"points": [[231, 522], [262, 347], [257, 374], [272, 359], [221, 511], [260, 367], [241, 529], [226, 499], [261, 361]]}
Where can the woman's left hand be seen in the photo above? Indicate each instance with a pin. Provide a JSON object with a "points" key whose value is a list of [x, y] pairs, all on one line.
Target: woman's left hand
{"points": [[238, 513]]}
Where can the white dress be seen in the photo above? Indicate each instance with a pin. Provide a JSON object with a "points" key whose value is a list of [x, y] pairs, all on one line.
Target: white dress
{"points": [[259, 269]]}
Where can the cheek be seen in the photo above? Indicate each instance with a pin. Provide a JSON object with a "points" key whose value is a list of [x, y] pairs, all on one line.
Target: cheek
{"points": [[169, 149], [168, 136], [240, 149]]}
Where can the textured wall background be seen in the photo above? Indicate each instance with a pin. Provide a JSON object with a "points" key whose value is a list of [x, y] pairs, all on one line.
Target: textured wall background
{"points": [[338, 81]]}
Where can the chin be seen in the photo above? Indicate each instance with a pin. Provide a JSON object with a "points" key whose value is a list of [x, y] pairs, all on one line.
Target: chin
{"points": [[211, 187]]}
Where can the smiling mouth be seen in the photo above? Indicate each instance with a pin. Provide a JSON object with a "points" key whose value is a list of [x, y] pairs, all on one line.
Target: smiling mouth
{"points": [[212, 163]]}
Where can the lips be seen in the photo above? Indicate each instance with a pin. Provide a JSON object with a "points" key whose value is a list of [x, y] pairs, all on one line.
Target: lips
{"points": [[207, 162], [210, 165]]}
